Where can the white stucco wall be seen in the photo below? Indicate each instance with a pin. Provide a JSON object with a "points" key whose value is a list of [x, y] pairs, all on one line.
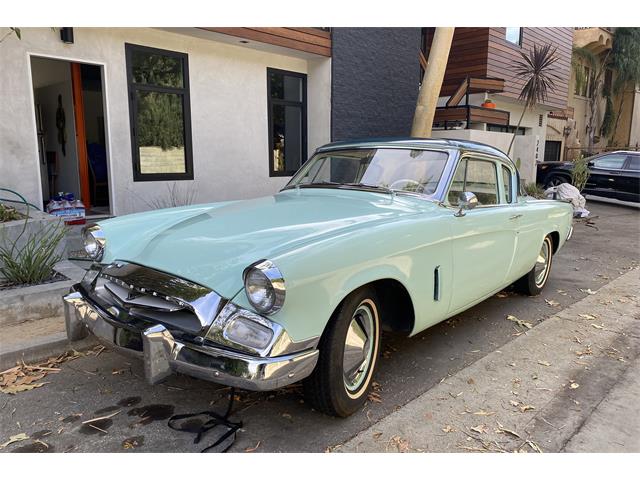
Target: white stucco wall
{"points": [[228, 91]]}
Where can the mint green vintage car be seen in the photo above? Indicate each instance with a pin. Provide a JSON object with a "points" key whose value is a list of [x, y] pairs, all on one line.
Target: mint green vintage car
{"points": [[369, 236]]}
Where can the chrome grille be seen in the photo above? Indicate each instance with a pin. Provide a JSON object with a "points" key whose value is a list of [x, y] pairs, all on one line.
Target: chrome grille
{"points": [[149, 294]]}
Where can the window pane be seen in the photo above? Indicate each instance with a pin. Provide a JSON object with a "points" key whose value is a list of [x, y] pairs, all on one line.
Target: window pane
{"points": [[287, 138], [482, 181], [513, 35], [155, 69], [634, 163], [160, 131], [506, 180], [286, 87], [610, 161]]}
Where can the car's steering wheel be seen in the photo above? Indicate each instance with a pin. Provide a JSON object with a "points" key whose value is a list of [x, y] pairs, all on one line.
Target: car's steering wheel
{"points": [[404, 181]]}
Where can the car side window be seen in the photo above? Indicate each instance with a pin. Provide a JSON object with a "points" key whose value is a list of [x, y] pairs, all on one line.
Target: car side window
{"points": [[634, 162], [611, 162], [477, 176], [507, 179]]}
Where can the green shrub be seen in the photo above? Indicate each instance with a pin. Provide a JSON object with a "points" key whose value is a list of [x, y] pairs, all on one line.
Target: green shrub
{"points": [[33, 262], [534, 190], [8, 214], [580, 173]]}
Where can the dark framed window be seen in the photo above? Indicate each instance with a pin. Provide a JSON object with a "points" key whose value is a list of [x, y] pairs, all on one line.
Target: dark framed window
{"points": [[287, 108], [514, 35], [160, 114]]}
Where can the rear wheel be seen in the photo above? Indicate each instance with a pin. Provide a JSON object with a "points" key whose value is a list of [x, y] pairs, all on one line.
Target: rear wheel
{"points": [[555, 180], [340, 383], [533, 282]]}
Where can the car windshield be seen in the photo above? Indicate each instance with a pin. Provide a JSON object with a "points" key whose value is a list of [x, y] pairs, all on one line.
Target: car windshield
{"points": [[385, 169]]}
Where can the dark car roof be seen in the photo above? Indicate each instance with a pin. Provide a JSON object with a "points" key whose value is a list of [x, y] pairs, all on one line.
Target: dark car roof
{"points": [[416, 143]]}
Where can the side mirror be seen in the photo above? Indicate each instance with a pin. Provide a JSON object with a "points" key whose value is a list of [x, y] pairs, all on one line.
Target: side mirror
{"points": [[466, 201]]}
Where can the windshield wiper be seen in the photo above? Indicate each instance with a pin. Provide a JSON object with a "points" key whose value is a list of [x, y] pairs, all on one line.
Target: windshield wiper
{"points": [[370, 187], [314, 184]]}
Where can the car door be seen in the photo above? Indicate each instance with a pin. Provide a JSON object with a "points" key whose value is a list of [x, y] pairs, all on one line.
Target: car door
{"points": [[483, 239], [606, 174], [630, 178]]}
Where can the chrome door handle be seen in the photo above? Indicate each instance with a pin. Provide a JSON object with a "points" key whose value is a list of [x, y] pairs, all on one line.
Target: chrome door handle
{"points": [[513, 217]]}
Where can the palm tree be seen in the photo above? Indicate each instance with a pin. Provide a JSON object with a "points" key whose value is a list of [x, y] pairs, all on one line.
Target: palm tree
{"points": [[625, 60], [594, 83], [537, 70]]}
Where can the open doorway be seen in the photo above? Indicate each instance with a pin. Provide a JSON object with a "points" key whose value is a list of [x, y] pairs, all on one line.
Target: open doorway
{"points": [[71, 133]]}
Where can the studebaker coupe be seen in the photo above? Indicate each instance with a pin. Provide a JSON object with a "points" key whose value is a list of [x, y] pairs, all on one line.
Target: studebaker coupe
{"points": [[368, 236]]}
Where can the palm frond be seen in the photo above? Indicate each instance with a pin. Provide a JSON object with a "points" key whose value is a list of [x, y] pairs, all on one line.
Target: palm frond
{"points": [[537, 70]]}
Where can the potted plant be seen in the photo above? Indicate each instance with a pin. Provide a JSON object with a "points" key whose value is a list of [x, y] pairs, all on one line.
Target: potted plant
{"points": [[488, 103]]}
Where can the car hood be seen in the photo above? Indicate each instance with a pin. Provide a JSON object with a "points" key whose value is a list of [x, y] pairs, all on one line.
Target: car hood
{"points": [[213, 244]]}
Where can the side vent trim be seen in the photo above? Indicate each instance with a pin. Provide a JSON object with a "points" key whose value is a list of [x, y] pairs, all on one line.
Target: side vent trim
{"points": [[436, 284]]}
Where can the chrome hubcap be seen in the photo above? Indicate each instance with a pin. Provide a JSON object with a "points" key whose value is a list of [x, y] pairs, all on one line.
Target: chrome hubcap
{"points": [[358, 347], [542, 264]]}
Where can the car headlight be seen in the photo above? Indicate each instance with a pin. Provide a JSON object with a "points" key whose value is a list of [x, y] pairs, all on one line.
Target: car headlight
{"points": [[264, 285], [94, 241]]}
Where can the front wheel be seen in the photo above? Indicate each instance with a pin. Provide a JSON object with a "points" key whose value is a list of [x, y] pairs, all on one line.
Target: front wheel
{"points": [[340, 383], [533, 282]]}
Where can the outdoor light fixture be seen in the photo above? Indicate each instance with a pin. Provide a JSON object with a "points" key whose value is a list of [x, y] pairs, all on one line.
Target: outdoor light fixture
{"points": [[66, 34]]}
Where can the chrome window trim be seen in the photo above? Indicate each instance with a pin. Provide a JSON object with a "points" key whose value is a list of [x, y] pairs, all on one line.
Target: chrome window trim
{"points": [[98, 235]]}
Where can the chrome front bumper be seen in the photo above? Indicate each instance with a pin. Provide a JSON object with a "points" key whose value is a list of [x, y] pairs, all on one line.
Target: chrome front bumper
{"points": [[163, 355]]}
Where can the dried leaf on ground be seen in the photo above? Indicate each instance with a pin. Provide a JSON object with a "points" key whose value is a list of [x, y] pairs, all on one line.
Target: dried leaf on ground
{"points": [[502, 429], [574, 385], [479, 428], [448, 429], [13, 389], [102, 418], [253, 449], [401, 444], [15, 438], [599, 327], [587, 316], [524, 408], [552, 303], [522, 323], [483, 413], [587, 291], [544, 363], [374, 397], [514, 403]]}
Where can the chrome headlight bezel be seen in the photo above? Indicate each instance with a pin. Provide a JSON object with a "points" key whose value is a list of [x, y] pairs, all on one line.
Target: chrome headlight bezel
{"points": [[276, 292], [94, 241]]}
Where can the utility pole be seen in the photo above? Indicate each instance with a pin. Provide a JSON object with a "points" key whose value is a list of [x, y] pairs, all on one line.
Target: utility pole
{"points": [[432, 82]]}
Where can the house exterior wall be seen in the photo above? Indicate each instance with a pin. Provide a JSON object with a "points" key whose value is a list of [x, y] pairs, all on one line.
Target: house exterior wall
{"points": [[228, 89], [375, 81], [484, 52]]}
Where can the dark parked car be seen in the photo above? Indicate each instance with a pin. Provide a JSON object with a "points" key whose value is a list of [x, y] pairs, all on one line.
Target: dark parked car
{"points": [[612, 175]]}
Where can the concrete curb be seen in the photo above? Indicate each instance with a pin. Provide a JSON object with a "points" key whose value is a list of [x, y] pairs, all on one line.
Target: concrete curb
{"points": [[533, 394], [42, 348]]}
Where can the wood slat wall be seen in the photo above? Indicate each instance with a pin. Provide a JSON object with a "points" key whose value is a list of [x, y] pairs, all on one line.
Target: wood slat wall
{"points": [[310, 40], [502, 53], [484, 52]]}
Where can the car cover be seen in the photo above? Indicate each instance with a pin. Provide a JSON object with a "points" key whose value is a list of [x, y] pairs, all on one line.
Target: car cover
{"points": [[569, 193]]}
